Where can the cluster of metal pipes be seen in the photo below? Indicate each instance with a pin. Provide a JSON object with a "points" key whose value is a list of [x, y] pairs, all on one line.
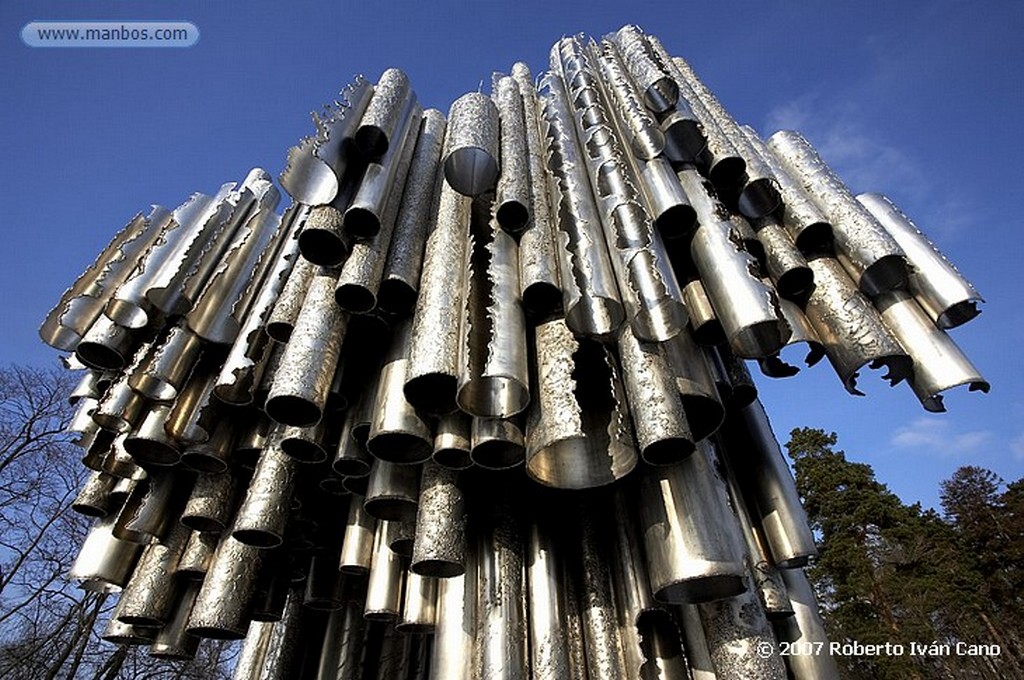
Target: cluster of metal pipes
{"points": [[477, 404]]}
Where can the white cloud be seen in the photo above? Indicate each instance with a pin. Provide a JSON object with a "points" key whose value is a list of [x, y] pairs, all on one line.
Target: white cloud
{"points": [[1017, 446], [930, 435]]}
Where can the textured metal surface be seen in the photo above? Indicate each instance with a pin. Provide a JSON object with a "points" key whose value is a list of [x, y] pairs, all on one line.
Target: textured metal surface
{"points": [[803, 334], [496, 443], [578, 427], [196, 556], [149, 443], [805, 627], [303, 378], [384, 588], [283, 660], [151, 506], [783, 262], [599, 615], [173, 640], [397, 432], [304, 444], [105, 346], [194, 414], [659, 90], [381, 123], [222, 607], [357, 546], [393, 491], [254, 651], [472, 147], [289, 302], [546, 603], [419, 604], [323, 241], [869, 254], [939, 365], [341, 656], [150, 596], [646, 139], [104, 562], [264, 510], [512, 200], [96, 498], [850, 329], [432, 381], [689, 532], [211, 503], [213, 455], [401, 278], [948, 298], [439, 548], [163, 372], [695, 383]]}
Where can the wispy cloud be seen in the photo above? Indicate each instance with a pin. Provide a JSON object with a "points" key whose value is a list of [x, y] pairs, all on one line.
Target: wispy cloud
{"points": [[933, 436], [1017, 446]]}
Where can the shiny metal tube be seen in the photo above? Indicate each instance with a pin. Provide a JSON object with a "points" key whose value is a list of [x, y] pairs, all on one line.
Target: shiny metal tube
{"points": [[96, 498], [223, 605], [768, 487], [590, 295], [419, 604], [578, 428], [685, 143], [493, 379], [118, 462], [289, 302], [942, 291], [400, 281], [736, 630], [689, 532], [214, 455], [512, 200], [195, 412], [397, 432], [168, 364], [284, 659], [104, 562], [384, 589], [456, 626], [105, 346], [452, 443], [303, 378], [873, 259], [341, 657], [381, 123], [698, 658], [803, 334], [538, 263], [323, 590], [266, 507], [439, 548], [497, 443], [372, 214], [747, 309], [695, 383], [149, 443], [546, 602], [317, 164], [785, 264], [432, 380], [393, 491], [82, 303], [323, 241], [123, 634], [150, 596], [254, 651], [211, 504], [939, 364], [252, 439], [304, 444], [500, 640], [850, 329], [357, 546], [806, 626], [663, 654], [196, 557], [92, 385], [120, 408], [707, 329], [151, 507], [735, 385], [173, 640], [352, 459], [599, 613], [646, 140], [400, 537], [471, 150], [805, 223], [662, 431], [646, 281], [660, 90]]}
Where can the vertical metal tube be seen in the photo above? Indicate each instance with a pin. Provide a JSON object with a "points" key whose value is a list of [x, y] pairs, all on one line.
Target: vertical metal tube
{"points": [[149, 597], [120, 408], [735, 384], [357, 546], [196, 557], [452, 443], [497, 443], [168, 364], [341, 657], [806, 626], [546, 602], [393, 491], [401, 536], [646, 140], [264, 511], [149, 443], [124, 634], [151, 506], [803, 333], [214, 455], [289, 302], [283, 660], [603, 644], [173, 640], [512, 200], [419, 601], [104, 562], [470, 157], [783, 262], [304, 444], [381, 123], [211, 503], [867, 252], [323, 241], [222, 608], [397, 432], [324, 589], [439, 548], [736, 630], [698, 656], [96, 497], [696, 385], [254, 651], [456, 626], [352, 459], [660, 90], [384, 589], [707, 329]]}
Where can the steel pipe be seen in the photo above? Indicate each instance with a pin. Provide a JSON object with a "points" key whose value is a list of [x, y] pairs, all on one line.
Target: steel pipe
{"points": [[695, 383], [105, 346], [96, 498], [123, 634], [783, 262], [357, 545], [289, 302], [173, 641], [512, 200], [806, 628], [352, 459], [214, 455], [873, 259], [150, 596], [104, 563], [578, 433], [439, 548], [222, 608], [384, 588], [735, 385], [285, 648], [471, 150], [401, 536], [196, 556], [324, 584], [254, 651], [393, 491], [497, 443], [149, 443], [660, 90], [605, 657], [419, 604], [646, 140], [452, 441], [341, 657], [195, 412], [397, 432], [381, 123], [151, 506], [803, 334], [263, 514], [548, 610], [704, 323], [168, 364], [211, 503], [456, 626]]}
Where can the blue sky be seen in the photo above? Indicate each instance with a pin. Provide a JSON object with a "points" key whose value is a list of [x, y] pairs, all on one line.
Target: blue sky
{"points": [[919, 100]]}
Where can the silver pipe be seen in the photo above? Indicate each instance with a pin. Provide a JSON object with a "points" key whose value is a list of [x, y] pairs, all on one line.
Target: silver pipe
{"points": [[96, 498], [173, 640], [685, 143], [118, 462], [105, 346], [663, 654], [578, 432], [254, 651], [659, 421], [284, 659], [768, 486], [401, 279], [149, 443], [222, 608], [263, 514], [497, 443], [867, 252], [660, 90], [393, 491], [419, 602], [735, 385], [317, 164], [357, 545], [252, 439], [397, 432], [341, 657], [452, 443], [324, 589], [707, 329], [211, 504], [698, 657], [289, 302], [850, 329], [803, 334], [123, 634], [323, 241], [538, 263], [150, 596], [805, 223], [381, 123], [806, 627], [401, 536], [470, 157], [695, 383], [120, 408], [785, 264], [384, 589], [747, 308], [646, 140], [303, 444], [196, 557], [456, 626], [939, 364], [432, 380], [947, 297], [303, 378], [689, 532], [104, 562], [546, 602], [605, 657], [512, 200], [83, 302], [151, 506], [168, 364], [214, 455], [195, 412], [439, 548], [352, 459], [493, 380], [590, 295], [92, 385]]}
